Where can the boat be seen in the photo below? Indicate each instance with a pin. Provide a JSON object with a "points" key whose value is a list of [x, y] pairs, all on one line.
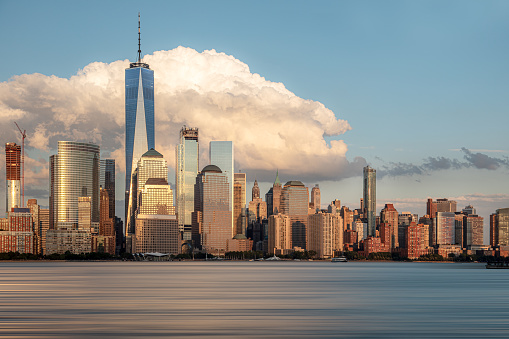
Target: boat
{"points": [[274, 258], [497, 265], [339, 259]]}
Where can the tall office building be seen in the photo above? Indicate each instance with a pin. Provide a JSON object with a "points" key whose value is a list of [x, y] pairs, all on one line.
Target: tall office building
{"points": [[139, 117], [279, 234], [273, 197], [187, 162], [221, 155], [107, 182], [370, 199], [13, 176], [74, 173], [294, 203], [151, 165], [473, 229], [444, 223], [257, 207], [389, 215], [500, 227], [239, 203], [315, 198], [211, 216], [440, 205], [324, 234]]}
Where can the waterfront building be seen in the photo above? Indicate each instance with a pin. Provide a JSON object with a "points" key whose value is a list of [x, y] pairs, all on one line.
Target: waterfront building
{"points": [[416, 241], [151, 165], [106, 237], [211, 217], [221, 154], [35, 211], [239, 243], [74, 173], [17, 231], [12, 176], [139, 119], [444, 223], [187, 167], [43, 228], [324, 234], [239, 203], [279, 234], [389, 215], [428, 221], [294, 203], [369, 197], [473, 226], [273, 197], [493, 230], [458, 229]]}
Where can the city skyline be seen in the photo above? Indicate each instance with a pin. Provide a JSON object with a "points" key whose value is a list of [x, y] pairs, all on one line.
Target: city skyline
{"points": [[434, 132]]}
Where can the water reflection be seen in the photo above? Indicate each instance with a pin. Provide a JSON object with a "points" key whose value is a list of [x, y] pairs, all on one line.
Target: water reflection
{"points": [[252, 299]]}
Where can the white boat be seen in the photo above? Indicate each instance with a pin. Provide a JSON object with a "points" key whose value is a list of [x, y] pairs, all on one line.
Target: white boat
{"points": [[273, 258], [339, 259]]}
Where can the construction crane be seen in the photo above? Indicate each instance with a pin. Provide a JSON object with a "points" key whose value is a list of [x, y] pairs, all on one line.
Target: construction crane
{"points": [[23, 136]]}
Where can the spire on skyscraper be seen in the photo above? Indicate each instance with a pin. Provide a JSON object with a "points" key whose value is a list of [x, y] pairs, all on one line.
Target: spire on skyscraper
{"points": [[139, 39], [277, 182]]}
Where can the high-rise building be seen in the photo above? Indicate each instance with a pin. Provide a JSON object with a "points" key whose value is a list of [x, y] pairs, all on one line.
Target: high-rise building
{"points": [[43, 228], [273, 197], [279, 234], [501, 227], [156, 224], [13, 176], [324, 234], [444, 224], [469, 210], [151, 165], [211, 216], [74, 173], [369, 197], [139, 118], [416, 241], [187, 162], [389, 215], [107, 182], [315, 198], [239, 203], [294, 203], [440, 205], [473, 229], [35, 211], [221, 154], [493, 230], [257, 207], [74, 197], [105, 239]]}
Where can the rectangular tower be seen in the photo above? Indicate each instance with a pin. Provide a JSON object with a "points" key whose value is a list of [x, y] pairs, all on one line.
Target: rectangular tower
{"points": [[370, 199], [187, 162], [221, 155], [13, 177]]}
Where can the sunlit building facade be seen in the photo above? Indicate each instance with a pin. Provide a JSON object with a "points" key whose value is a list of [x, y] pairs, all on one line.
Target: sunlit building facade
{"points": [[324, 234], [13, 175], [187, 162], [139, 119], [279, 234], [211, 221], [370, 199], [445, 228], [221, 154], [239, 203], [294, 203]]}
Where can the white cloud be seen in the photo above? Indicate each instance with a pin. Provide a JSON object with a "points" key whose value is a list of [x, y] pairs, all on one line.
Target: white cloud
{"points": [[271, 127]]}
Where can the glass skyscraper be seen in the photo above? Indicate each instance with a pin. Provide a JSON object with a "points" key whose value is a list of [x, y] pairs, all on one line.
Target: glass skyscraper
{"points": [[221, 155], [370, 199], [187, 160], [139, 117]]}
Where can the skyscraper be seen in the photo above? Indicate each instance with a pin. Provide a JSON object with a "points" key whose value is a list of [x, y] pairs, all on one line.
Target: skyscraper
{"points": [[13, 177], [390, 216], [107, 182], [370, 199], [273, 197], [75, 173], [315, 198], [239, 203], [221, 155], [151, 165], [294, 203], [139, 116], [187, 160], [211, 216]]}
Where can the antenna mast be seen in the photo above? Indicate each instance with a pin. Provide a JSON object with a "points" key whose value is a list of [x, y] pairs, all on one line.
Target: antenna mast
{"points": [[23, 136], [139, 39]]}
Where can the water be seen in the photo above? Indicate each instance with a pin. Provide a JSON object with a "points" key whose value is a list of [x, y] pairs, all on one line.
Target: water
{"points": [[252, 299]]}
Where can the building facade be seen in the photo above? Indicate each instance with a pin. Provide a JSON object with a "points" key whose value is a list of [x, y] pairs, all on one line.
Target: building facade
{"points": [[294, 203], [221, 154], [369, 196], [187, 161], [12, 176], [239, 203]]}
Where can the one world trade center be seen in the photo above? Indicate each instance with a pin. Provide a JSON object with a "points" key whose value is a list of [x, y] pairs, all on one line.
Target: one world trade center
{"points": [[139, 124]]}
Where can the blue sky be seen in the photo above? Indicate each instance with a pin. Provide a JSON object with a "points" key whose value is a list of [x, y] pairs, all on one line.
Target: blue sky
{"points": [[414, 79]]}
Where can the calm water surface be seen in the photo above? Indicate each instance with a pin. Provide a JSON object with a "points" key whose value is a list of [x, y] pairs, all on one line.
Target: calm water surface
{"points": [[252, 299]]}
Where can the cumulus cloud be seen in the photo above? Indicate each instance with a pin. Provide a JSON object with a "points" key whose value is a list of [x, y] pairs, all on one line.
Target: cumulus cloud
{"points": [[271, 127], [472, 160]]}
